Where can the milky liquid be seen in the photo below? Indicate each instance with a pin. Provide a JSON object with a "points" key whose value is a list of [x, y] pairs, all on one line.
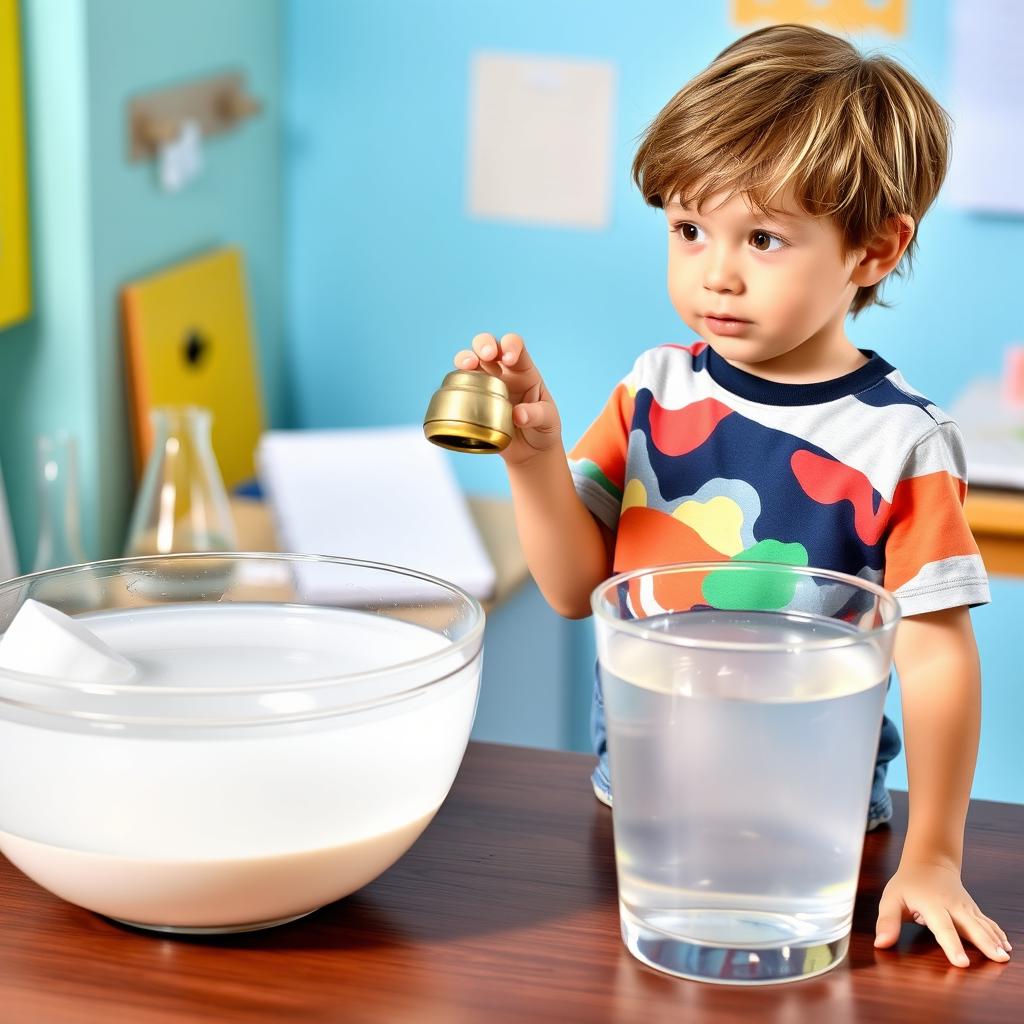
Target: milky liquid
{"points": [[206, 825], [741, 781]]}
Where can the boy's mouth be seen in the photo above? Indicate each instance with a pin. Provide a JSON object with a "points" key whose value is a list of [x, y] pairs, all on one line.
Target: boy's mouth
{"points": [[725, 325]]}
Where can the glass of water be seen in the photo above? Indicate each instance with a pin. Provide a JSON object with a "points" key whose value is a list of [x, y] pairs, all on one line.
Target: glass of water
{"points": [[743, 702]]}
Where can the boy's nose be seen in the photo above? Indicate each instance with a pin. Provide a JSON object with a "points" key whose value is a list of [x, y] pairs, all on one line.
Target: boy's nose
{"points": [[721, 273]]}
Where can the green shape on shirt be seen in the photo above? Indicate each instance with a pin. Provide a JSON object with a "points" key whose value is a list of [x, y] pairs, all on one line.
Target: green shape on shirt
{"points": [[591, 469], [756, 591]]}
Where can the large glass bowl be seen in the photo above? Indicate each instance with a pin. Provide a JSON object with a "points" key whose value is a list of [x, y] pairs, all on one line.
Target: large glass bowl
{"points": [[308, 720]]}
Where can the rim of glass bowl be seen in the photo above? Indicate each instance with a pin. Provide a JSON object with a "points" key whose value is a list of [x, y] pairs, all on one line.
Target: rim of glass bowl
{"points": [[632, 627], [317, 682]]}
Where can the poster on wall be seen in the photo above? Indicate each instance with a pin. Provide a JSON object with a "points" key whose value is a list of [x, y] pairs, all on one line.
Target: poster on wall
{"points": [[885, 16], [987, 93], [15, 291]]}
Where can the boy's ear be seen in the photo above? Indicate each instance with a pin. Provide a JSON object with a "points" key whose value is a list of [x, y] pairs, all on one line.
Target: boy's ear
{"points": [[882, 253]]}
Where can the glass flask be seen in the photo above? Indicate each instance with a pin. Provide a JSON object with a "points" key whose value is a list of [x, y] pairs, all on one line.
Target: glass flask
{"points": [[181, 504], [60, 540]]}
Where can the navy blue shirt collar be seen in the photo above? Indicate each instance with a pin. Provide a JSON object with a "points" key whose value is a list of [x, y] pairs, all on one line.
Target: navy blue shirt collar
{"points": [[770, 392]]}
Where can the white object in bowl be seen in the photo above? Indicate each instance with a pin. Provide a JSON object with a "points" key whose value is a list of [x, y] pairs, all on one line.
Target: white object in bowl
{"points": [[43, 641]]}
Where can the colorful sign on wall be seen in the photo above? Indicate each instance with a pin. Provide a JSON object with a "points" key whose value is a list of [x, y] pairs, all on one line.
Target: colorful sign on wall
{"points": [[889, 16]]}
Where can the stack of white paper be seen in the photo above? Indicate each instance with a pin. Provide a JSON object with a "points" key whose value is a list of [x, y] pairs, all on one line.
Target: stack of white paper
{"points": [[381, 495], [993, 435]]}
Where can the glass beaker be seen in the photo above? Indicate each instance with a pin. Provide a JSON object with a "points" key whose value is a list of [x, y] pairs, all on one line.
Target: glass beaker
{"points": [[743, 703], [181, 505], [60, 541]]}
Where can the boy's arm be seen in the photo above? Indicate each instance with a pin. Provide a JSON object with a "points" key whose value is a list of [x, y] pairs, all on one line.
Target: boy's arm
{"points": [[937, 661], [567, 550]]}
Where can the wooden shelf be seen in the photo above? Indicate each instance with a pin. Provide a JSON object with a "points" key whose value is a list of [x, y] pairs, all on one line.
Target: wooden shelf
{"points": [[997, 519]]}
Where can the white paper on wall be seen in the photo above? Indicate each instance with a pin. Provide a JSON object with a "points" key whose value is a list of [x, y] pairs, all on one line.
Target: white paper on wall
{"points": [[540, 139], [8, 554], [987, 104], [180, 161]]}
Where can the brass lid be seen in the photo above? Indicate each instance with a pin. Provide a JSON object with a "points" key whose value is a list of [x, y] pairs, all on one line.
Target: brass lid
{"points": [[470, 412]]}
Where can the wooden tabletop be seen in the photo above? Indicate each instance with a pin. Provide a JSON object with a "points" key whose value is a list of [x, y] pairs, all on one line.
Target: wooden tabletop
{"points": [[504, 910], [997, 521]]}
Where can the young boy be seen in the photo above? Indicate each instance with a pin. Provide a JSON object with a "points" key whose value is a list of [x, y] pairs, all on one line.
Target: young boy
{"points": [[792, 173]]}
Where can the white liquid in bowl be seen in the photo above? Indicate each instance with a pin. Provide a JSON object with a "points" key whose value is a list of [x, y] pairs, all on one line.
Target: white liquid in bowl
{"points": [[206, 825], [209, 894]]}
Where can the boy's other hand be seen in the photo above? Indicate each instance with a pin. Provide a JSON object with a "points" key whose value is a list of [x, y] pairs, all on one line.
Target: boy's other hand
{"points": [[538, 426], [933, 896]]}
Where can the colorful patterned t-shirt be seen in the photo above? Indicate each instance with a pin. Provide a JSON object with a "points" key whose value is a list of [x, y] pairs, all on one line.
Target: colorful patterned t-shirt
{"points": [[692, 459]]}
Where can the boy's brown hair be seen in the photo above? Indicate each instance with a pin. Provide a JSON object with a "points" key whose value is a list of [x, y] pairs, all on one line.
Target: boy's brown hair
{"points": [[857, 138]]}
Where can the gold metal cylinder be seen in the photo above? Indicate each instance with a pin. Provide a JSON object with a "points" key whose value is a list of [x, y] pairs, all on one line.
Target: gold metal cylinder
{"points": [[470, 412]]}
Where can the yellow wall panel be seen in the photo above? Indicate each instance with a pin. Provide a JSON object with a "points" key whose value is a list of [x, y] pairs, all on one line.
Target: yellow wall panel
{"points": [[15, 290], [189, 341]]}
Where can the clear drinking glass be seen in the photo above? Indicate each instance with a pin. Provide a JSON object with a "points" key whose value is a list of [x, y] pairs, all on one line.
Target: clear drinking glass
{"points": [[60, 540], [743, 702]]}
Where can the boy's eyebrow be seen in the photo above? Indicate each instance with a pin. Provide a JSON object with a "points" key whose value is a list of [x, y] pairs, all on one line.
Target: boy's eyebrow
{"points": [[779, 216], [784, 215]]}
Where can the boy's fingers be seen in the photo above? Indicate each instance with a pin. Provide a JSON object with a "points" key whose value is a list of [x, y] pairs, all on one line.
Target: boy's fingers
{"points": [[466, 360], [886, 936], [536, 416], [887, 928], [486, 347], [942, 927], [1004, 940], [983, 933], [514, 354]]}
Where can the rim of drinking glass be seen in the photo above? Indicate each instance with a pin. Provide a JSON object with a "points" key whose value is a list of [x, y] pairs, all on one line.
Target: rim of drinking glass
{"points": [[632, 627], [315, 683]]}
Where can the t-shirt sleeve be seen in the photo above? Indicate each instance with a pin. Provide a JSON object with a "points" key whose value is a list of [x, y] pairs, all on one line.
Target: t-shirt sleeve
{"points": [[932, 561], [598, 460]]}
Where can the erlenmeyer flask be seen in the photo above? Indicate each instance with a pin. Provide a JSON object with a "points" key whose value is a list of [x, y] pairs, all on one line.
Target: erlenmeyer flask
{"points": [[181, 504], [60, 541]]}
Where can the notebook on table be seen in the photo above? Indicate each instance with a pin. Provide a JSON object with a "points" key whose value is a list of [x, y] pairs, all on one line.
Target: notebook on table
{"points": [[377, 494]]}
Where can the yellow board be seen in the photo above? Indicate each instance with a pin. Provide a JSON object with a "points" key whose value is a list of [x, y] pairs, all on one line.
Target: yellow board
{"points": [[844, 15], [15, 291], [188, 342]]}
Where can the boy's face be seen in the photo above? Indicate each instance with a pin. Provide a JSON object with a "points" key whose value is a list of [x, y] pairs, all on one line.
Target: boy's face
{"points": [[783, 280]]}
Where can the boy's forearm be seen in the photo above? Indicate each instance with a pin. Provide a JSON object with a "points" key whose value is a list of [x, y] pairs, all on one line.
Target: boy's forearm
{"points": [[940, 688], [563, 543]]}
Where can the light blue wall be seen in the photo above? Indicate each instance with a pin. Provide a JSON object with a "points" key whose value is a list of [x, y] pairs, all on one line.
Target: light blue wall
{"points": [[388, 276], [99, 221], [137, 47], [46, 362]]}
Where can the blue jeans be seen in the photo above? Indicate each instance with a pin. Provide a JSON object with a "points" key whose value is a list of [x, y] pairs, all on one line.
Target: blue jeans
{"points": [[879, 808]]}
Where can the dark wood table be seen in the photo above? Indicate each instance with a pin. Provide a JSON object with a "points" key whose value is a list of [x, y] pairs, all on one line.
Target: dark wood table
{"points": [[504, 910]]}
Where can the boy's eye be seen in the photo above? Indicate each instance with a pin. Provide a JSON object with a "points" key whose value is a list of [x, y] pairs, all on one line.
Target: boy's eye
{"points": [[689, 232], [764, 242]]}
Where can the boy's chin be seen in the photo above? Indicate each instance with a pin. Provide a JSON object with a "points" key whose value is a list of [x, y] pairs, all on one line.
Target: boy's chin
{"points": [[742, 350]]}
